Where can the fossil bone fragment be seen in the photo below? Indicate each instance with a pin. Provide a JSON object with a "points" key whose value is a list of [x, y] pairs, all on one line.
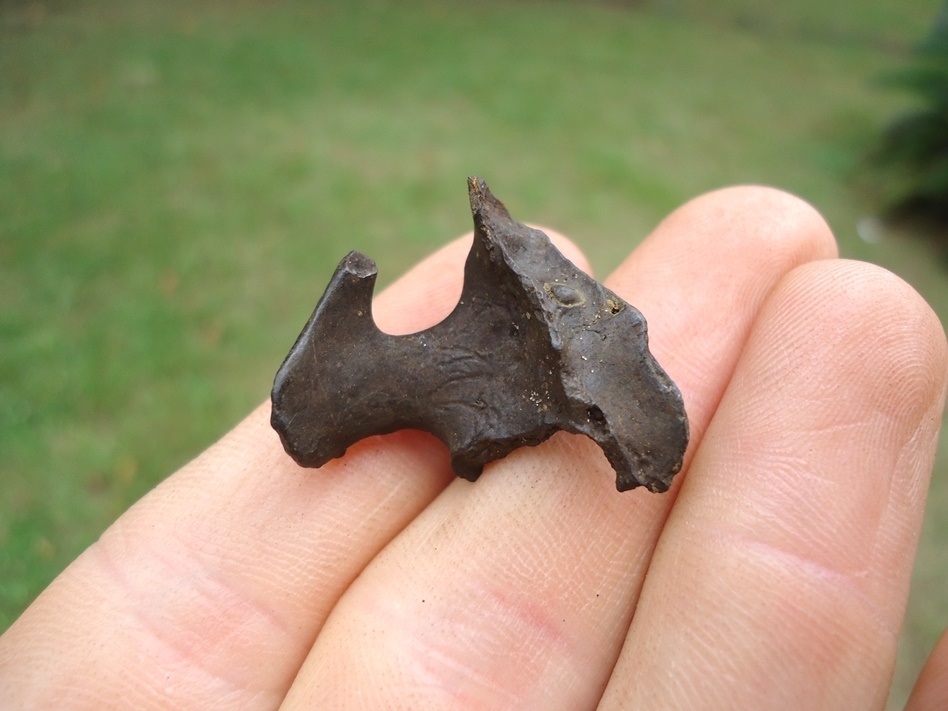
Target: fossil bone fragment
{"points": [[534, 346]]}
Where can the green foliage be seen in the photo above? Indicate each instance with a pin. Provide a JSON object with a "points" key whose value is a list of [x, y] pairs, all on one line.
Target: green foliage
{"points": [[914, 147]]}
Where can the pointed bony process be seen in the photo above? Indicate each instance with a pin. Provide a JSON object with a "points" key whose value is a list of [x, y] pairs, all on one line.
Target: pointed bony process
{"points": [[533, 346]]}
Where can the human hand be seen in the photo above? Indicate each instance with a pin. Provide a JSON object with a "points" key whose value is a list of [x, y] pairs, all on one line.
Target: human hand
{"points": [[773, 575]]}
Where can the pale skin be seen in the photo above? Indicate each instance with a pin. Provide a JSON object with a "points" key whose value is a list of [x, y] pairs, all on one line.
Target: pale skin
{"points": [[774, 574]]}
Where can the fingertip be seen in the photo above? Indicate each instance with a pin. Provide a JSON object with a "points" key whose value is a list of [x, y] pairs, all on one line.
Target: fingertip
{"points": [[893, 340], [767, 214], [846, 359], [791, 543], [723, 233]]}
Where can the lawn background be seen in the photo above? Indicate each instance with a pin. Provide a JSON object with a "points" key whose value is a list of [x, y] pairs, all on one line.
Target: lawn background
{"points": [[178, 180]]}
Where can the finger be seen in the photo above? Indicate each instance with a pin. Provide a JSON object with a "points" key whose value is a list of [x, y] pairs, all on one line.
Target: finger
{"points": [[517, 591], [931, 689], [208, 593], [781, 577]]}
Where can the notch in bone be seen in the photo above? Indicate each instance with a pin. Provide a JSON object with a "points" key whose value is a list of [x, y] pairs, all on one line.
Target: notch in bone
{"points": [[533, 346]]}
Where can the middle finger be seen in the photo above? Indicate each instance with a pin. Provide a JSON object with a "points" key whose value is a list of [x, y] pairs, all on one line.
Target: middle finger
{"points": [[518, 591]]}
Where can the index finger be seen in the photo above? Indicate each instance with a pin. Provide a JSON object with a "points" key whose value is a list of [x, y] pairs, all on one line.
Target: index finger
{"points": [[209, 592]]}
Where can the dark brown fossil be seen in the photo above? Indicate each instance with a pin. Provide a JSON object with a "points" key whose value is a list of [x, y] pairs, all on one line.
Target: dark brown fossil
{"points": [[534, 346]]}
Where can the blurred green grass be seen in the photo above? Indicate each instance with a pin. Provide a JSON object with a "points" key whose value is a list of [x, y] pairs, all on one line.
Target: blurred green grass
{"points": [[178, 180]]}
